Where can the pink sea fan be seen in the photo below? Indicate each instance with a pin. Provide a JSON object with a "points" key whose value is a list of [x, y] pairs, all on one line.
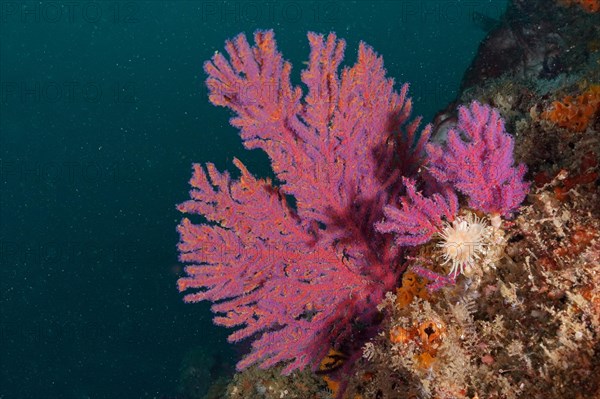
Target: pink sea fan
{"points": [[299, 279], [262, 268], [418, 217], [478, 161]]}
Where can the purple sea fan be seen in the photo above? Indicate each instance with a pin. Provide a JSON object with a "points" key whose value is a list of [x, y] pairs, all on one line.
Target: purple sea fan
{"points": [[262, 269], [299, 279], [478, 161], [418, 218]]}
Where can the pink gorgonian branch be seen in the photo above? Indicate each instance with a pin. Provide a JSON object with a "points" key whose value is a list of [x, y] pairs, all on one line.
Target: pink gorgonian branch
{"points": [[297, 279], [478, 161], [418, 217]]}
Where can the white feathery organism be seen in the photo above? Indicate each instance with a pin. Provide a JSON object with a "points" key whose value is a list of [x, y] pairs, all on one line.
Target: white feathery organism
{"points": [[463, 242]]}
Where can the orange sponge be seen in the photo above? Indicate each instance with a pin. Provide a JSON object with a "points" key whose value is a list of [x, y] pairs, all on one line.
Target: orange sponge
{"points": [[575, 113], [588, 5]]}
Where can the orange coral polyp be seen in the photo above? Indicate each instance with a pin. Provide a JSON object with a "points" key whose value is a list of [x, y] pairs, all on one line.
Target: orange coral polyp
{"points": [[412, 285], [399, 335]]}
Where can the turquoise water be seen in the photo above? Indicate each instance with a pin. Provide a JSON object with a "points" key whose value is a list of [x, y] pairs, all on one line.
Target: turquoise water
{"points": [[103, 110]]}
